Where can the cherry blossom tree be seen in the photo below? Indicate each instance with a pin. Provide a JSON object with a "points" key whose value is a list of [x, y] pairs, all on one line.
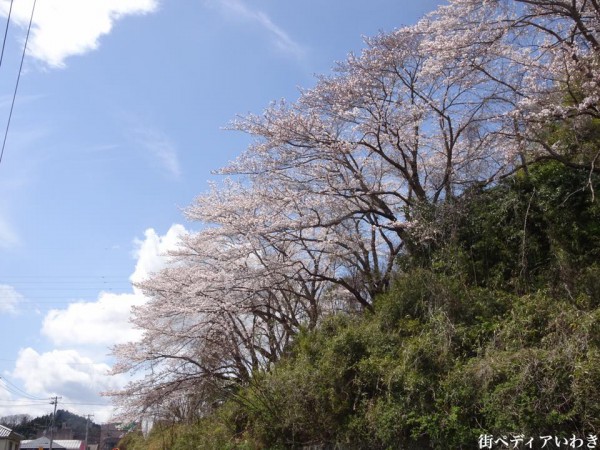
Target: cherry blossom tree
{"points": [[545, 55], [312, 217], [225, 309], [365, 150]]}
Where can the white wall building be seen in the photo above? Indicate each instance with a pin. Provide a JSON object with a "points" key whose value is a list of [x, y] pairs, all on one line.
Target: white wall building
{"points": [[9, 440]]}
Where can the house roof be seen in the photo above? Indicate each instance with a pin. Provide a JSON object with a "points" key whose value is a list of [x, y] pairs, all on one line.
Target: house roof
{"points": [[69, 443], [44, 442], [6, 432]]}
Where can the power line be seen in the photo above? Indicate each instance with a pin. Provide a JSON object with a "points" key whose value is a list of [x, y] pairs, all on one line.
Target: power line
{"points": [[86, 404], [13, 391], [17, 390], [66, 299], [66, 293], [3, 404], [66, 277], [6, 32], [68, 287], [17, 83], [6, 403], [59, 364]]}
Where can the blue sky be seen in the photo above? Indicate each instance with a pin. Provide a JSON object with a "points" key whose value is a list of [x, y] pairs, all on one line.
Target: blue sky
{"points": [[117, 125]]}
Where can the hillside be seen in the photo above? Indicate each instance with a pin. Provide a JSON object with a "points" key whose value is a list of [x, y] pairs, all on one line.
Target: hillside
{"points": [[493, 327]]}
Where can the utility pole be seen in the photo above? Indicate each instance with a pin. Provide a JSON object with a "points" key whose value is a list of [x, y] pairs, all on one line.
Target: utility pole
{"points": [[53, 402], [86, 430]]}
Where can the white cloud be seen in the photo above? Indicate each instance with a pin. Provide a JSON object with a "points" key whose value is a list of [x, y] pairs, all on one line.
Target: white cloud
{"points": [[9, 299], [280, 38], [68, 374], [161, 147], [62, 372], [78, 369], [63, 28], [151, 252], [105, 322]]}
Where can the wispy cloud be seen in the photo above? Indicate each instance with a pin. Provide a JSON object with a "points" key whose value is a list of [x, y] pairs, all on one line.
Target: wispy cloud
{"points": [[160, 147], [8, 236], [62, 28], [9, 299], [280, 38]]}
